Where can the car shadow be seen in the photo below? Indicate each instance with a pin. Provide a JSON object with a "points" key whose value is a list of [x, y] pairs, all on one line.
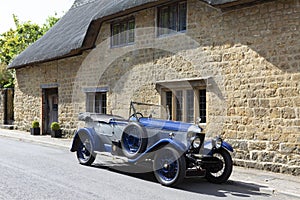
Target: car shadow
{"points": [[198, 185], [234, 188]]}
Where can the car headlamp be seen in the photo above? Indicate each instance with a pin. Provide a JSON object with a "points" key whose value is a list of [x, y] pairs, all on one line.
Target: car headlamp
{"points": [[196, 142], [218, 143]]}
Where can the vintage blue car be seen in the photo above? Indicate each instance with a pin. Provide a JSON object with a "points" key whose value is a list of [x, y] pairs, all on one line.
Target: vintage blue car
{"points": [[171, 149]]}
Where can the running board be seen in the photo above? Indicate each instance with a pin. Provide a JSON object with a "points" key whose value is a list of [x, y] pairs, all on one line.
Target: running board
{"points": [[113, 157]]}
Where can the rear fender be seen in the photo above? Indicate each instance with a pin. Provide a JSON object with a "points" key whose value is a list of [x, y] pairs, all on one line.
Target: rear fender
{"points": [[96, 145], [150, 152]]}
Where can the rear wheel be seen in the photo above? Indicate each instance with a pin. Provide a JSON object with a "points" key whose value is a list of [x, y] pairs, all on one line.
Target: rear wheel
{"points": [[169, 166], [222, 171], [84, 152]]}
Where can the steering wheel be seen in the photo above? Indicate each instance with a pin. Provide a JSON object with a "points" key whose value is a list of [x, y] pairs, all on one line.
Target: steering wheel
{"points": [[137, 114]]}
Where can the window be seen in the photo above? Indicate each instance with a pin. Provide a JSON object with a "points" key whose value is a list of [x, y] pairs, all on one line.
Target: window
{"points": [[122, 32], [96, 102], [186, 105], [172, 18]]}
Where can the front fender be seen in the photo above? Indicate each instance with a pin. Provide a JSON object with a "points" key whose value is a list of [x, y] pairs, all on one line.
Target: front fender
{"points": [[227, 146], [209, 147], [180, 147], [89, 132]]}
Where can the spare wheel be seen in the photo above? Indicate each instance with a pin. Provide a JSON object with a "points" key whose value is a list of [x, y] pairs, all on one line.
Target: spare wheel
{"points": [[134, 140]]}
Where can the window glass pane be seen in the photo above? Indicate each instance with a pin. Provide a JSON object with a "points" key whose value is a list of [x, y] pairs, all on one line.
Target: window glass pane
{"points": [[202, 105], [182, 16], [131, 26], [90, 102], [123, 33], [164, 20], [103, 103], [169, 100], [97, 103], [100, 103], [179, 106], [115, 33], [173, 18], [190, 106]]}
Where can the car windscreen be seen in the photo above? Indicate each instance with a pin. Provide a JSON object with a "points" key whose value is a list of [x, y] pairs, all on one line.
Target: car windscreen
{"points": [[149, 110]]}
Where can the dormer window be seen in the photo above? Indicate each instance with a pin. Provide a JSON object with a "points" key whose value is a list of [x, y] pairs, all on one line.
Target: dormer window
{"points": [[172, 18], [123, 32]]}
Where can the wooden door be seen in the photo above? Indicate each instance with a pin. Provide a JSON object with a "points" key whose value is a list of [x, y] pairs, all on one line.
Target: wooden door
{"points": [[50, 109]]}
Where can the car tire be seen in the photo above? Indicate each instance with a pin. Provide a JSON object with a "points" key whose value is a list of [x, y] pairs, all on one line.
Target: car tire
{"points": [[221, 175], [134, 140], [169, 166], [85, 154]]}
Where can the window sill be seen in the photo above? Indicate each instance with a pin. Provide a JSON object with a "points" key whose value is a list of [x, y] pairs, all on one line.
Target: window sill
{"points": [[122, 45], [174, 33]]}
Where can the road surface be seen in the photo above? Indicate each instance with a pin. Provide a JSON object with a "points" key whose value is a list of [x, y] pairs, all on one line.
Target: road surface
{"points": [[36, 171]]}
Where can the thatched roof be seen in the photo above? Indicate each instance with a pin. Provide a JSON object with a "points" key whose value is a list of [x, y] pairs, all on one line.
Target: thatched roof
{"points": [[78, 29]]}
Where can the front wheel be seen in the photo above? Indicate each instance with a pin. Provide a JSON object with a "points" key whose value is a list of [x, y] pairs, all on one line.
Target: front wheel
{"points": [[84, 151], [222, 172], [169, 166]]}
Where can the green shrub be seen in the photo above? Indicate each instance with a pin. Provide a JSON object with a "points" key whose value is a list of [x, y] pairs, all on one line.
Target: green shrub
{"points": [[35, 124], [55, 126]]}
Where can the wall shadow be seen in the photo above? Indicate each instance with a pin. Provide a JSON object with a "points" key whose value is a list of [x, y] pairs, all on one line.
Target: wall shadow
{"points": [[270, 30]]}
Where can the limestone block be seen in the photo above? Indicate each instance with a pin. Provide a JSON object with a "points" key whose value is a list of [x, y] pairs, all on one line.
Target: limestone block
{"points": [[267, 156], [257, 145], [288, 113], [277, 168], [294, 159], [289, 148], [279, 158], [294, 170]]}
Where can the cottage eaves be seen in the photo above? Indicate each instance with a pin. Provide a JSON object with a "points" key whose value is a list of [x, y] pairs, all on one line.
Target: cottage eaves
{"points": [[78, 29]]}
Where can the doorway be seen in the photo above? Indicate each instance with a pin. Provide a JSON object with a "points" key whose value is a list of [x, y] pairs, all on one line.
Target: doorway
{"points": [[8, 106], [50, 109]]}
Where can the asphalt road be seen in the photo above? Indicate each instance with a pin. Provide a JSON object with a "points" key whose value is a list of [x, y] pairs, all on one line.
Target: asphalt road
{"points": [[35, 171]]}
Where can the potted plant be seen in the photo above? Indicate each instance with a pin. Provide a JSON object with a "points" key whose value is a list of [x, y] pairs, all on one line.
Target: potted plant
{"points": [[35, 128], [55, 130]]}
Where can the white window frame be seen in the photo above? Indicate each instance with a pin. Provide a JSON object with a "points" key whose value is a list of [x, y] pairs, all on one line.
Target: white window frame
{"points": [[197, 85], [91, 102], [196, 104], [161, 31], [122, 33]]}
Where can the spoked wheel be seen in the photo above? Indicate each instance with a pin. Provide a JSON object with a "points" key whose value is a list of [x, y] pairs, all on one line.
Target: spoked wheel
{"points": [[134, 140], [169, 166], [222, 171], [85, 153]]}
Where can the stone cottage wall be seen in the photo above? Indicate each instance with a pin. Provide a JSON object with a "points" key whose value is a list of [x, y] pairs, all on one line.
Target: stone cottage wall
{"points": [[262, 70], [249, 57], [28, 93], [257, 50], [27, 101]]}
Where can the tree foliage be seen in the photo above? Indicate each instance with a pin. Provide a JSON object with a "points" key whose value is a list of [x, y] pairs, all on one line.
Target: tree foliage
{"points": [[16, 40], [6, 76]]}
